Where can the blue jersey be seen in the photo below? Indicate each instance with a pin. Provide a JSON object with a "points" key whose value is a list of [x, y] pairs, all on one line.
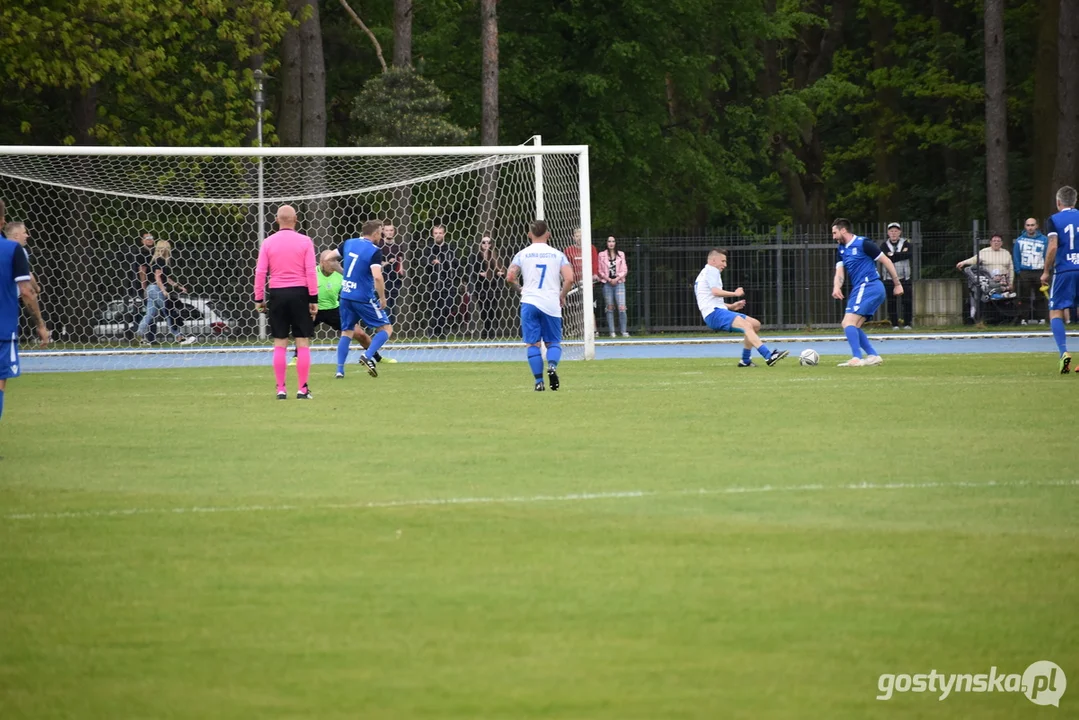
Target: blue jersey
{"points": [[1065, 225], [357, 257], [14, 268], [859, 258], [1028, 253]]}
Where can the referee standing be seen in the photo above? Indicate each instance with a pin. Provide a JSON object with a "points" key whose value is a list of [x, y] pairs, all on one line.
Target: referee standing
{"points": [[289, 259]]}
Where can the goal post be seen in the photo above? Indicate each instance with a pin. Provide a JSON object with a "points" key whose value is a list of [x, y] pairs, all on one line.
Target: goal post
{"points": [[86, 209]]}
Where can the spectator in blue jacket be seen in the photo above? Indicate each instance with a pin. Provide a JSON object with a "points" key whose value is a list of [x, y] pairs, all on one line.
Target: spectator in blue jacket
{"points": [[1028, 253]]}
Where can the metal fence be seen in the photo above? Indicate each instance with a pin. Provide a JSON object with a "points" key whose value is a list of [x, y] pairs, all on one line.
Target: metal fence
{"points": [[787, 273]]}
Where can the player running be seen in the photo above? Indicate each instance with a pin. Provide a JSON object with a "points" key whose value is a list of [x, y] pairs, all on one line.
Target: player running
{"points": [[546, 277], [858, 257], [1063, 257], [721, 316], [363, 295]]}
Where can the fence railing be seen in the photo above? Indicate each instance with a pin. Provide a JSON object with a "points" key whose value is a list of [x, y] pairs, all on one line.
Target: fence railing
{"points": [[787, 273]]}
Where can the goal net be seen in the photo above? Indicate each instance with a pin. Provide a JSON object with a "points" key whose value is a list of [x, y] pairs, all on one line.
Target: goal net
{"points": [[87, 211]]}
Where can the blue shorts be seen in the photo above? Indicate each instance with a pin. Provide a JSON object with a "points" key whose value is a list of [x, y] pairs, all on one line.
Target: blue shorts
{"points": [[362, 311], [537, 325], [1064, 290], [865, 298], [722, 319], [9, 358]]}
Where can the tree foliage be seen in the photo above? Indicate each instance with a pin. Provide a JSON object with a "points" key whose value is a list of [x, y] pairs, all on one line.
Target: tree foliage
{"points": [[400, 107], [697, 112], [164, 72]]}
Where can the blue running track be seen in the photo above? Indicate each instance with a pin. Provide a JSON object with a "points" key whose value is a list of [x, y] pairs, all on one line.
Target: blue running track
{"points": [[35, 361]]}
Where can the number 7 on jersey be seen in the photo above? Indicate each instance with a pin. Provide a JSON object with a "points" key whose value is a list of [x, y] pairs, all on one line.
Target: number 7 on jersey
{"points": [[543, 274]]}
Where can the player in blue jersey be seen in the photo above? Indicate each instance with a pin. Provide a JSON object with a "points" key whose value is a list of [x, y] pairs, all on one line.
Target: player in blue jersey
{"points": [[546, 277], [858, 257], [363, 295], [1062, 258], [15, 281]]}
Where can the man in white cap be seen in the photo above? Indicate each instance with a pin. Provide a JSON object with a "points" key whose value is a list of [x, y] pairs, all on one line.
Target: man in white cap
{"points": [[897, 249]]}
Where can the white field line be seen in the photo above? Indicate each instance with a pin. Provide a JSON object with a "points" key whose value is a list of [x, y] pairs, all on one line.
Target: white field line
{"points": [[530, 499]]}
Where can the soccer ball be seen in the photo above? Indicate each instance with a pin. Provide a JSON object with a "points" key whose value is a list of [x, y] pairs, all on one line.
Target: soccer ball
{"points": [[808, 357]]}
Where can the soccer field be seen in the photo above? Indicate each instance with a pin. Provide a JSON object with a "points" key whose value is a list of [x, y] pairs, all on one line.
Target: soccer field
{"points": [[659, 539]]}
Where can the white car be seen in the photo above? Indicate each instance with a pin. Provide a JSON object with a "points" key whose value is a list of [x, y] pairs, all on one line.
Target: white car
{"points": [[198, 317]]}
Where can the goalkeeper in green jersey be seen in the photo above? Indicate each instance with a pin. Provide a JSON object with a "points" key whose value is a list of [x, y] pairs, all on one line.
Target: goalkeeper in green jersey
{"points": [[329, 302]]}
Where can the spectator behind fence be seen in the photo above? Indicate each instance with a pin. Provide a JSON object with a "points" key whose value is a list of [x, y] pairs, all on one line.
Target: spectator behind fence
{"points": [[443, 269], [1028, 254], [612, 273], [575, 299], [157, 295], [486, 274], [573, 254], [393, 262], [897, 249], [992, 258]]}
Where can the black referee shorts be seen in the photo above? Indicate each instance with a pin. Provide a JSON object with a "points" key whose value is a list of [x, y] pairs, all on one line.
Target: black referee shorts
{"points": [[289, 313], [331, 317]]}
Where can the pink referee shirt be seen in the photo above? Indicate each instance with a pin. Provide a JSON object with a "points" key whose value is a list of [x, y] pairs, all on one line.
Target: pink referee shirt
{"points": [[289, 258]]}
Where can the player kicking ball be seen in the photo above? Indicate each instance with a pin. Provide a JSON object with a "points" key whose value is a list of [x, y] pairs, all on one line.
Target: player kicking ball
{"points": [[724, 317], [858, 257], [546, 277]]}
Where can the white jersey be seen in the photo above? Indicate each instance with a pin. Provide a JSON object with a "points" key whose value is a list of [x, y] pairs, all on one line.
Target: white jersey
{"points": [[709, 278], [541, 277]]}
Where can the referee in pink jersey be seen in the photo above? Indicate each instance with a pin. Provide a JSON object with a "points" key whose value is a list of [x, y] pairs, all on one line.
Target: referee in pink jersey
{"points": [[289, 259]]}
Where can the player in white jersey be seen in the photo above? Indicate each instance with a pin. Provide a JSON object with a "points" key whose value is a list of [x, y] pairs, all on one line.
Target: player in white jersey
{"points": [[546, 276], [719, 315]]}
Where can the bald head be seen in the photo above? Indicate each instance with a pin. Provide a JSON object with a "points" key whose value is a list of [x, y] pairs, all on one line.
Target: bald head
{"points": [[286, 217], [327, 262]]}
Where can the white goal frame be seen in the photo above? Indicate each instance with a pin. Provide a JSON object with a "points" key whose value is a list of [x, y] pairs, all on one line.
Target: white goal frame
{"points": [[537, 151]]}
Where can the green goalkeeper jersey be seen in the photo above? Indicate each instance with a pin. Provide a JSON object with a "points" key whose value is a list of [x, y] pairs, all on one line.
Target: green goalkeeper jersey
{"points": [[329, 290]]}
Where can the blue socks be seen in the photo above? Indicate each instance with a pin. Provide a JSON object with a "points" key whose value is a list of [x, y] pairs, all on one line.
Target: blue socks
{"points": [[554, 354], [377, 342], [854, 340], [864, 340], [764, 351], [1059, 334], [747, 355], [535, 361], [1, 403], [343, 344]]}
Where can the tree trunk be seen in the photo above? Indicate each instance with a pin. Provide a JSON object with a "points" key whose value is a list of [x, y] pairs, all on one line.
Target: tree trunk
{"points": [[489, 36], [1045, 108], [290, 117], [402, 33], [314, 80], [1067, 161], [885, 158], [996, 120], [489, 122], [313, 133], [84, 114]]}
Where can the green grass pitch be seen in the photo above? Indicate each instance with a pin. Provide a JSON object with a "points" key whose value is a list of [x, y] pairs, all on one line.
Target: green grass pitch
{"points": [[659, 539]]}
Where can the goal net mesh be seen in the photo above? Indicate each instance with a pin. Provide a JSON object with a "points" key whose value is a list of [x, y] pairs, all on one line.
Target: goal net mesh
{"points": [[86, 215]]}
